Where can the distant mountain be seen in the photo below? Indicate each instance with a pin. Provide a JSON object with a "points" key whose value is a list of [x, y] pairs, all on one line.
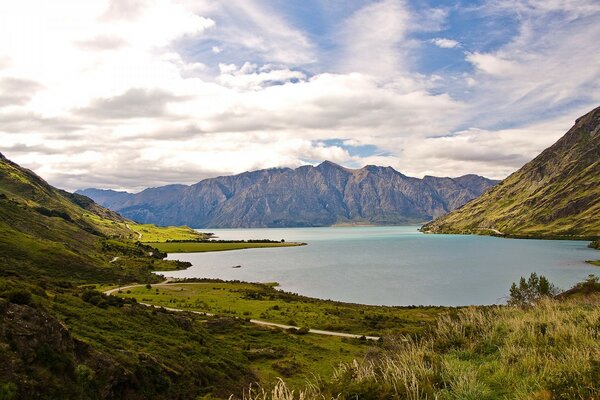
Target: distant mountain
{"points": [[324, 195], [558, 193]]}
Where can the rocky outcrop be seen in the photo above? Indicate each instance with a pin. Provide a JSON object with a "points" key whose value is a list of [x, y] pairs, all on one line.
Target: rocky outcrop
{"points": [[324, 195]]}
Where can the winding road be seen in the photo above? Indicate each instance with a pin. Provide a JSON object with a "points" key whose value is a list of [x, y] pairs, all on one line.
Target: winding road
{"points": [[253, 321], [138, 233]]}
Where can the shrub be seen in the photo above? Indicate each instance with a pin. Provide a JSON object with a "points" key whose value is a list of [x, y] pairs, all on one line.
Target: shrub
{"points": [[530, 291], [302, 331], [590, 285]]}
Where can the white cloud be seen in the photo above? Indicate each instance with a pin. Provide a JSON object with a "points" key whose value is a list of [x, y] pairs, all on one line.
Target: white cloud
{"points": [[552, 63], [251, 28], [373, 39], [445, 43], [129, 94]]}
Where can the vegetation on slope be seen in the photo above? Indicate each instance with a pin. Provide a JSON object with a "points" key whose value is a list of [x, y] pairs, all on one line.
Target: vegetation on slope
{"points": [[558, 193]]}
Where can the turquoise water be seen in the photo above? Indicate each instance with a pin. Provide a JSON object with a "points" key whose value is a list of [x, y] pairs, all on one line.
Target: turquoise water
{"points": [[393, 265]]}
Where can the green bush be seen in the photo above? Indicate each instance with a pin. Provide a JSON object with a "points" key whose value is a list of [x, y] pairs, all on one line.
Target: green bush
{"points": [[530, 291]]}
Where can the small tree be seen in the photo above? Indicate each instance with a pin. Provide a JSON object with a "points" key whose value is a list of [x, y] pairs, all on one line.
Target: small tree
{"points": [[530, 291]]}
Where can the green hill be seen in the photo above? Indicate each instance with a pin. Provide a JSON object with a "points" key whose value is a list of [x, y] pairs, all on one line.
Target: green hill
{"points": [[60, 339], [556, 194]]}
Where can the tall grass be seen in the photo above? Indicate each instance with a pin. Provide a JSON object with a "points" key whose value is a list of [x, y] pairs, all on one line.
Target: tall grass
{"points": [[548, 351]]}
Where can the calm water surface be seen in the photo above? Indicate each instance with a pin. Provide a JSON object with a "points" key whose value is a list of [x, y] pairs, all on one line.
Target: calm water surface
{"points": [[393, 265]]}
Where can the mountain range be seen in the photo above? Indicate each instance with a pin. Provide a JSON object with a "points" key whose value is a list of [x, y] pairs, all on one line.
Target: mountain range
{"points": [[557, 193], [324, 195]]}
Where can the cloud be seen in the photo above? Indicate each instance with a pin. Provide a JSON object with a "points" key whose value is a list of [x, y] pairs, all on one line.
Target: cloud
{"points": [[130, 94], [16, 91], [445, 43], [102, 43], [373, 39], [537, 74], [253, 30], [135, 103], [251, 77]]}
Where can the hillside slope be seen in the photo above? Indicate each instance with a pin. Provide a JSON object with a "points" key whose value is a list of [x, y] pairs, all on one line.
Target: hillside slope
{"points": [[557, 193], [324, 195], [60, 339], [46, 232]]}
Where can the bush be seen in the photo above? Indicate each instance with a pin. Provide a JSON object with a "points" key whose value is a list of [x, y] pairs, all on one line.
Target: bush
{"points": [[530, 291], [99, 299], [302, 331], [589, 286]]}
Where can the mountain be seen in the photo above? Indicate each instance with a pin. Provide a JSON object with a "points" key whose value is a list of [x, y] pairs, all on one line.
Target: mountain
{"points": [[324, 195], [557, 193]]}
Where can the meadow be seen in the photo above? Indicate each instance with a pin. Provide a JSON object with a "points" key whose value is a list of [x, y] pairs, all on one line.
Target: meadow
{"points": [[265, 303]]}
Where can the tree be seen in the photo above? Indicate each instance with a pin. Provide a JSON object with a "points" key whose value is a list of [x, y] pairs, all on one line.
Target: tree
{"points": [[530, 291]]}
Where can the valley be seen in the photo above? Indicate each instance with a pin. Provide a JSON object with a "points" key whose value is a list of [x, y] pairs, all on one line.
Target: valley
{"points": [[62, 336]]}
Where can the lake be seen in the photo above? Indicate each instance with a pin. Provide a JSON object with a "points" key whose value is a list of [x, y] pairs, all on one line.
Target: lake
{"points": [[393, 265]]}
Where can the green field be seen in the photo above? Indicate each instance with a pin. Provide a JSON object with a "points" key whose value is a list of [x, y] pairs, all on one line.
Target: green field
{"points": [[152, 233], [263, 302], [200, 247]]}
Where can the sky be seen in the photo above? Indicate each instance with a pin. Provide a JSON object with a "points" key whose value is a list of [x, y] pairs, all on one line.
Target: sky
{"points": [[128, 94]]}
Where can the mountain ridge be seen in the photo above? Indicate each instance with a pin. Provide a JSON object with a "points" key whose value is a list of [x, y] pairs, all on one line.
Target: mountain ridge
{"points": [[557, 193], [321, 195]]}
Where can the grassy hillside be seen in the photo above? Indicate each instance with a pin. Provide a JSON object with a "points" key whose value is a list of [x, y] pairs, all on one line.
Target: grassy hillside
{"points": [[59, 339], [558, 193]]}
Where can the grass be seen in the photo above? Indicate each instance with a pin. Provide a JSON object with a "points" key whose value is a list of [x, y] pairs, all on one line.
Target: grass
{"points": [[263, 302], [549, 351], [199, 247], [155, 234]]}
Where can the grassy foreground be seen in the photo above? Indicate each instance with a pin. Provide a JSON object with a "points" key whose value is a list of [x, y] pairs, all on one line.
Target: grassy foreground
{"points": [[200, 247], [548, 351]]}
